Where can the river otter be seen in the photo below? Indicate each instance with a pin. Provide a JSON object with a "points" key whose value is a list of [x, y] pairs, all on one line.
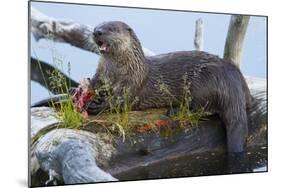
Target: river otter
{"points": [[214, 83]]}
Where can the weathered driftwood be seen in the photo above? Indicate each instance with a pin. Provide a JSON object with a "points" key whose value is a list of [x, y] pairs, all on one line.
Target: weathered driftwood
{"points": [[76, 34], [198, 38], [94, 155], [235, 38], [60, 149]]}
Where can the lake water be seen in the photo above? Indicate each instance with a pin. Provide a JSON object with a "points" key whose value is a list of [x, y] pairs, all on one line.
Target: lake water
{"points": [[208, 163]]}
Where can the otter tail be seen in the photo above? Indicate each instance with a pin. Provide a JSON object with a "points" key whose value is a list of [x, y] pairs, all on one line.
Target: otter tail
{"points": [[256, 103], [257, 111]]}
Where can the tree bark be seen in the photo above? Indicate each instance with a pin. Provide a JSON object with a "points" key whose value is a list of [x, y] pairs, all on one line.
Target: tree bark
{"points": [[235, 38]]}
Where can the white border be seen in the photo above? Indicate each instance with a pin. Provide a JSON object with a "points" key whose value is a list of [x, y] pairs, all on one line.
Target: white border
{"points": [[13, 94]]}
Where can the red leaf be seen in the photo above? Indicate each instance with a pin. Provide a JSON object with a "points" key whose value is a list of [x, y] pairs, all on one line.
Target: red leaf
{"points": [[147, 127], [162, 123]]}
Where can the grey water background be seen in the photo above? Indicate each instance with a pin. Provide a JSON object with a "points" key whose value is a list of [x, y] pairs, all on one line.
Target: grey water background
{"points": [[160, 31]]}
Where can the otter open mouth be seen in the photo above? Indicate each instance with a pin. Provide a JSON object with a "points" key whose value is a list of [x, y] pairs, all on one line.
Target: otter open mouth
{"points": [[103, 46]]}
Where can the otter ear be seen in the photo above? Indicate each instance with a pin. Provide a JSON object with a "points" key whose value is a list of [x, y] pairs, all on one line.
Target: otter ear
{"points": [[129, 29]]}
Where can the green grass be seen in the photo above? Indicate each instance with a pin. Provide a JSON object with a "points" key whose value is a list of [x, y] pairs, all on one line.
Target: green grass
{"points": [[184, 114], [66, 112], [120, 107], [69, 116], [123, 123]]}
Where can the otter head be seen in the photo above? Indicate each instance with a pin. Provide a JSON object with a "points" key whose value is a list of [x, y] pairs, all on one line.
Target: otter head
{"points": [[115, 39]]}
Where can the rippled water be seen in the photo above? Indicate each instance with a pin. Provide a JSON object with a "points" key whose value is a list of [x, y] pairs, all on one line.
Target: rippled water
{"points": [[209, 163]]}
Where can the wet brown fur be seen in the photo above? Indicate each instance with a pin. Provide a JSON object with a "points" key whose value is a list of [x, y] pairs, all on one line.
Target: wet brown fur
{"points": [[215, 83]]}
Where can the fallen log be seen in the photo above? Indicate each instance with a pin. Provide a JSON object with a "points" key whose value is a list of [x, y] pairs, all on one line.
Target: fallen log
{"points": [[94, 154]]}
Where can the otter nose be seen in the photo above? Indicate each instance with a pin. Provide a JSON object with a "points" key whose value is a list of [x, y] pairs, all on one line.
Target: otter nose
{"points": [[97, 32]]}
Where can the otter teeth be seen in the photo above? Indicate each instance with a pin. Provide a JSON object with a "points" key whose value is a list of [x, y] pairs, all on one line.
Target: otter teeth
{"points": [[103, 48]]}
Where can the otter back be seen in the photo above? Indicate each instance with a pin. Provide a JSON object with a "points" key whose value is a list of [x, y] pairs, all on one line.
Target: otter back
{"points": [[210, 81]]}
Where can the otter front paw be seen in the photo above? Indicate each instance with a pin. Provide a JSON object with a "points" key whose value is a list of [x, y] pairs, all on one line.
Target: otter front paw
{"points": [[97, 106]]}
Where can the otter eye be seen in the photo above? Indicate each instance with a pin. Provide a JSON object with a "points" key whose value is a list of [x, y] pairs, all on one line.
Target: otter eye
{"points": [[110, 29], [129, 29]]}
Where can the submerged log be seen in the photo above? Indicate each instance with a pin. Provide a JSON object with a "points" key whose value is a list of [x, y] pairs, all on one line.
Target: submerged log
{"points": [[95, 154]]}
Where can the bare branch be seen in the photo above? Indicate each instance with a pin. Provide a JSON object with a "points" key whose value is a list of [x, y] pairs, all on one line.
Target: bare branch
{"points": [[235, 38], [198, 39], [78, 35]]}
